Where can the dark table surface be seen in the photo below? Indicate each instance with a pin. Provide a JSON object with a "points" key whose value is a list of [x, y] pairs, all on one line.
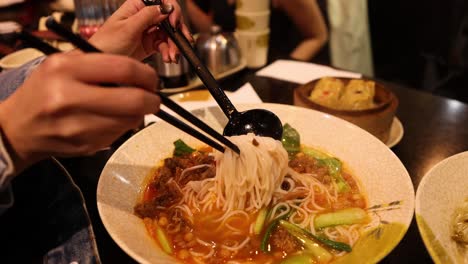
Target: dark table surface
{"points": [[434, 129]]}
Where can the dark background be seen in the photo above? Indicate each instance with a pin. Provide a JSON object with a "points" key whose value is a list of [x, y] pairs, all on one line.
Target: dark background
{"points": [[417, 43], [420, 44]]}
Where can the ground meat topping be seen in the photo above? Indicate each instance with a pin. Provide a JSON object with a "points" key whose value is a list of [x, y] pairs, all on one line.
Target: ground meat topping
{"points": [[281, 239], [170, 179], [255, 142]]}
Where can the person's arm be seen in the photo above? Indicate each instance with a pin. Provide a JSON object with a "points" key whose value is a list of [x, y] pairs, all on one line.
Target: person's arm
{"points": [[307, 16], [132, 31], [61, 110], [10, 81], [200, 20]]}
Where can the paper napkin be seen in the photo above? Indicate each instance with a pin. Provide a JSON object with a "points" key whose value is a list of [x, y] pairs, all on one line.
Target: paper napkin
{"points": [[244, 95], [302, 72]]}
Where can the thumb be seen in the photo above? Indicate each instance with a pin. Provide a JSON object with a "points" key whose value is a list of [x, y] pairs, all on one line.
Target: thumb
{"points": [[146, 17]]}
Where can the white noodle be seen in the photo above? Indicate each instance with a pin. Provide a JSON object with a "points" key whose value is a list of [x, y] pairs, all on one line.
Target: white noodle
{"points": [[194, 168], [204, 243], [302, 214], [248, 181], [203, 255], [184, 208], [237, 247], [331, 233], [345, 233], [245, 183], [251, 228], [311, 224], [275, 212]]}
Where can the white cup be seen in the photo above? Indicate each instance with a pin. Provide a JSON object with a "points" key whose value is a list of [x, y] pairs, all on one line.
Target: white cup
{"points": [[252, 5], [254, 47], [252, 21]]}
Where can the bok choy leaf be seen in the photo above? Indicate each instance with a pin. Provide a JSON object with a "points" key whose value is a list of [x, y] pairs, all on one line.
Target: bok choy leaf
{"points": [[181, 148], [291, 140]]}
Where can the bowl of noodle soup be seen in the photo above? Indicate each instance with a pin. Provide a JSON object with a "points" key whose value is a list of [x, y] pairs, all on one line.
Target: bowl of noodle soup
{"points": [[340, 197]]}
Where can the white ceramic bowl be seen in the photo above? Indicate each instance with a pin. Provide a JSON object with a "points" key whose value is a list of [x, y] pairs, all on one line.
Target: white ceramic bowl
{"points": [[441, 191], [18, 58], [382, 175]]}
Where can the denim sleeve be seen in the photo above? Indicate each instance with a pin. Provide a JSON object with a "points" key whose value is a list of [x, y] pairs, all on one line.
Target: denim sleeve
{"points": [[66, 220], [10, 80]]}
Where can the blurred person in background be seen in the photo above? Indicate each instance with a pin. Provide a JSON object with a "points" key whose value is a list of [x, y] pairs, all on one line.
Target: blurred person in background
{"points": [[55, 106], [298, 29], [350, 43]]}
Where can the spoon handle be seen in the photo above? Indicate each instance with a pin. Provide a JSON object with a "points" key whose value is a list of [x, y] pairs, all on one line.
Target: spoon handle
{"points": [[201, 70]]}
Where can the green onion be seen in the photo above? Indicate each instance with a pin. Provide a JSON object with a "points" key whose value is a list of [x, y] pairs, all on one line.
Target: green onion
{"points": [[162, 239], [348, 216], [264, 246], [260, 221], [298, 259], [325, 241], [320, 254]]}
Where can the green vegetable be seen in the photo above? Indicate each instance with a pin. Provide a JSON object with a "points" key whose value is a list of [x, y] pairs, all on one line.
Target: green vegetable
{"points": [[181, 148], [291, 140], [320, 254], [260, 221], [264, 246], [298, 259], [325, 241], [334, 166], [162, 239], [315, 153], [348, 216]]}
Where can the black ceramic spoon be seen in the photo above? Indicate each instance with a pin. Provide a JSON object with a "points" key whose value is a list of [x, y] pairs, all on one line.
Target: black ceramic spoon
{"points": [[258, 121]]}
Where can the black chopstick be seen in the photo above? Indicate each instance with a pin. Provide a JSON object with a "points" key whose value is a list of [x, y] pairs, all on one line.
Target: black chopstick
{"points": [[37, 43], [189, 130], [197, 122], [67, 34], [198, 66], [87, 47]]}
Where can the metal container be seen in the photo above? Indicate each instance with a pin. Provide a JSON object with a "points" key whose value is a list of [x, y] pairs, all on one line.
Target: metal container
{"points": [[172, 75], [218, 50]]}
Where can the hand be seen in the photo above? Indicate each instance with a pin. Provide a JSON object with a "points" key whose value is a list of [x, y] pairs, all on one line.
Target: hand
{"points": [[132, 31], [61, 110]]}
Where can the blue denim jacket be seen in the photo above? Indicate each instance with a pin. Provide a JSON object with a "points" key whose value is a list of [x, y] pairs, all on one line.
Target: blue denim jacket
{"points": [[10, 80], [66, 234]]}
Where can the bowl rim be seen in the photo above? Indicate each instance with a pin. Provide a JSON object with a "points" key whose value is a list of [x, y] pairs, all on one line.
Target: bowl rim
{"points": [[418, 202], [303, 92], [397, 239], [19, 57]]}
